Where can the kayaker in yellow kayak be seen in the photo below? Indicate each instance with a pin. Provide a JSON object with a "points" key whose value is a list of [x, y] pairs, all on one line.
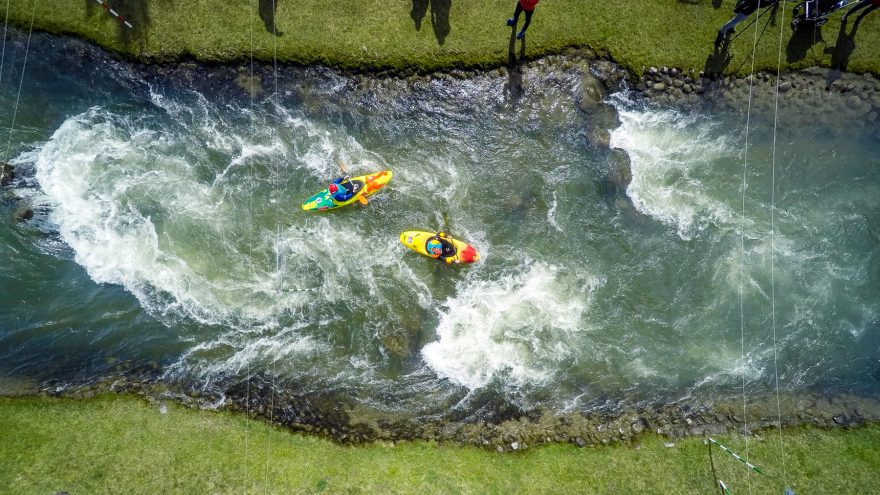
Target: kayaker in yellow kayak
{"points": [[341, 189], [440, 247]]}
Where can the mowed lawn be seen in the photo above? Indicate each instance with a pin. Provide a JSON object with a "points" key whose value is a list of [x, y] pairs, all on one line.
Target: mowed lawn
{"points": [[442, 34], [118, 444]]}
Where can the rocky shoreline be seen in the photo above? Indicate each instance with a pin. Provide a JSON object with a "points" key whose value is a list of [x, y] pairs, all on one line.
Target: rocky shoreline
{"points": [[334, 417]]}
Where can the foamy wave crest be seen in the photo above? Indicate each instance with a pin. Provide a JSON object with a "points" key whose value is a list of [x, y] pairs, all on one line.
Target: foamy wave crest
{"points": [[106, 187], [187, 223], [674, 159], [521, 325]]}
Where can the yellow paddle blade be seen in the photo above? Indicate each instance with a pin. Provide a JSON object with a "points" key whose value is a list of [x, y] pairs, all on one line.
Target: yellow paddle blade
{"points": [[362, 199]]}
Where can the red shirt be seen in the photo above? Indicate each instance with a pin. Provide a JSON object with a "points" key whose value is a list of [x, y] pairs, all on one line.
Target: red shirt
{"points": [[528, 5]]}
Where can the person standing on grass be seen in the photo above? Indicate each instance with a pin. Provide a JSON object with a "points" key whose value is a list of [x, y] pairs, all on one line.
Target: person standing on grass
{"points": [[527, 6]]}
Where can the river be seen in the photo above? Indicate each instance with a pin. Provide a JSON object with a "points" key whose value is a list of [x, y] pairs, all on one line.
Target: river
{"points": [[168, 237]]}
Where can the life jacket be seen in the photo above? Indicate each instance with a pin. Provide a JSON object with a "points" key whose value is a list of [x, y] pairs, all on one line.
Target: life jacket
{"points": [[528, 5], [343, 191]]}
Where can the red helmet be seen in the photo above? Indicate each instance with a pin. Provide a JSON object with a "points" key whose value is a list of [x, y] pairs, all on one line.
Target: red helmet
{"points": [[333, 188]]}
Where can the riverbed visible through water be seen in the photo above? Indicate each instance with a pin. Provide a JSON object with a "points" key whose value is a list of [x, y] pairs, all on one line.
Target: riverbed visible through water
{"points": [[168, 241]]}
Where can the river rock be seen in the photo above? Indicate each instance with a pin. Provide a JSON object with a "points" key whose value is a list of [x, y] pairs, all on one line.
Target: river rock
{"points": [[607, 72], [23, 214], [6, 174], [251, 84], [598, 138], [592, 92], [854, 102], [621, 168], [396, 342]]}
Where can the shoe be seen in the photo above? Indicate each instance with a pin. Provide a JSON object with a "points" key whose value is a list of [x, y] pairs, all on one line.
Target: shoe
{"points": [[510, 22], [521, 35]]}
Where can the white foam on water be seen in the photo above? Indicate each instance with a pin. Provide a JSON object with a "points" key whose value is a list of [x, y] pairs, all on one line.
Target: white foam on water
{"points": [[520, 324], [131, 209], [243, 349], [728, 367], [551, 213], [672, 155], [92, 173]]}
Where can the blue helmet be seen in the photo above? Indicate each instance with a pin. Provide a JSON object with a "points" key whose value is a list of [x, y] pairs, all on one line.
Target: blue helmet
{"points": [[434, 247]]}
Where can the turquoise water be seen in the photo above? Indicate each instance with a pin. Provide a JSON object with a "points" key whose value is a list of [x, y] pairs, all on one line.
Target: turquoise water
{"points": [[168, 241]]}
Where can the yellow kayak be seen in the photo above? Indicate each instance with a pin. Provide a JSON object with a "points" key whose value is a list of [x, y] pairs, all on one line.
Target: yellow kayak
{"points": [[439, 246]]}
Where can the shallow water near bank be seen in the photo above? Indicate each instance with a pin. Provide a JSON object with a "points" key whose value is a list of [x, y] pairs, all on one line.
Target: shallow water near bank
{"points": [[168, 241]]}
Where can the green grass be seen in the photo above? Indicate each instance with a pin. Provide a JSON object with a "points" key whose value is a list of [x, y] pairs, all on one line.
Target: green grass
{"points": [[380, 34], [116, 444]]}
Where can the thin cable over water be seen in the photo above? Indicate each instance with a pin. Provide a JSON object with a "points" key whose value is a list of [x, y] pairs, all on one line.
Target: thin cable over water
{"points": [[247, 395], [277, 243], [742, 256], [773, 245], [20, 83], [5, 28]]}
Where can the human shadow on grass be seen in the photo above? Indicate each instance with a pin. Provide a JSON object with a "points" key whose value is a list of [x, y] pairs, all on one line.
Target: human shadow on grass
{"points": [[439, 16], [720, 58], [440, 19], [718, 61], [716, 4], [846, 42], [419, 9], [805, 35], [267, 9], [135, 12], [513, 90]]}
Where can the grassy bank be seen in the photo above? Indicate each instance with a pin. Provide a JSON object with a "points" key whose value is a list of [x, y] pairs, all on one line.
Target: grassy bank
{"points": [[368, 34], [116, 444]]}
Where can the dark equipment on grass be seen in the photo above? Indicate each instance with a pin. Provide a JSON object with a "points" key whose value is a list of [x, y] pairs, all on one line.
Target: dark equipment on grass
{"points": [[817, 11]]}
